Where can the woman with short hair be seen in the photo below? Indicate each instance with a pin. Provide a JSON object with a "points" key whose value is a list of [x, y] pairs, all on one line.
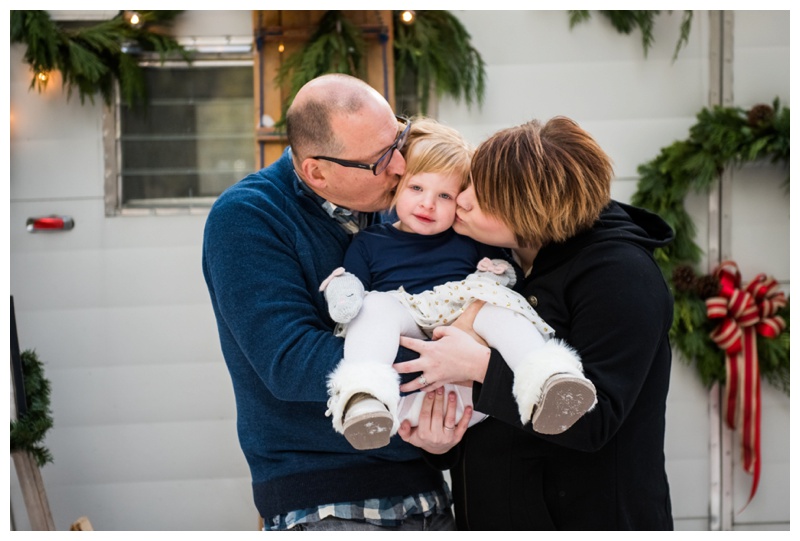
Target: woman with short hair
{"points": [[543, 191]]}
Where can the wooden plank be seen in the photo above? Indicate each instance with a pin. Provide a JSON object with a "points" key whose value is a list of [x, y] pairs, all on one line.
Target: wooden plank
{"points": [[380, 56], [33, 492], [30, 479]]}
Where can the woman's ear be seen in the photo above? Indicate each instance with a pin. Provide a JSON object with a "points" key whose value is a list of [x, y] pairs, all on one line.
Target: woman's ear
{"points": [[313, 173]]}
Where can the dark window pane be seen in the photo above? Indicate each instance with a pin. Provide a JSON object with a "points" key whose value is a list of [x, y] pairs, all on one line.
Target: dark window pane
{"points": [[194, 139]]}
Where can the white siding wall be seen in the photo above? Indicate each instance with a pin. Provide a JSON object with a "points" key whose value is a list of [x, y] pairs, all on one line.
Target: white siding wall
{"points": [[144, 435], [634, 106], [760, 243]]}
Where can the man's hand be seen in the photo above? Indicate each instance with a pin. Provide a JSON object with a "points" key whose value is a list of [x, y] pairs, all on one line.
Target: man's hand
{"points": [[437, 431]]}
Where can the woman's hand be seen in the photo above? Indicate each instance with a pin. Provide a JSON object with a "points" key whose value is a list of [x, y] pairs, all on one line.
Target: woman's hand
{"points": [[437, 431], [453, 356]]}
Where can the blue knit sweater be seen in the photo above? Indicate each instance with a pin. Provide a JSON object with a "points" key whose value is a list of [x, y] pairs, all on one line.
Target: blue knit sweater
{"points": [[266, 249]]}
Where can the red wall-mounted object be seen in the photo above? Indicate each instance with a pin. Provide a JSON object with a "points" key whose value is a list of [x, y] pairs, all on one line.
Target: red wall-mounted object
{"points": [[50, 223]]}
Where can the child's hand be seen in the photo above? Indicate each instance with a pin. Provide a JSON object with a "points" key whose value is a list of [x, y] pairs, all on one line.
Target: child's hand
{"points": [[344, 293]]}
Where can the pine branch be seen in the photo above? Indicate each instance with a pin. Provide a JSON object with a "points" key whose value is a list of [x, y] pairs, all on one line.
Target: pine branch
{"points": [[686, 27], [438, 51], [29, 430], [92, 58], [626, 21], [337, 46]]}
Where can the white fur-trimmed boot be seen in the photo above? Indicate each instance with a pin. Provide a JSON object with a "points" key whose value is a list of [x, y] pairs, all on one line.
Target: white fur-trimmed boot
{"points": [[363, 403], [551, 389]]}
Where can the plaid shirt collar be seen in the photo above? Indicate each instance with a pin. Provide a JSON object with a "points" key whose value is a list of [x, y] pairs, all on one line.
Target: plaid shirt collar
{"points": [[351, 221]]}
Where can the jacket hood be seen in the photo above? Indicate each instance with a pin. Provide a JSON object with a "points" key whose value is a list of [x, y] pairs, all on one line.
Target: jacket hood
{"points": [[619, 221]]}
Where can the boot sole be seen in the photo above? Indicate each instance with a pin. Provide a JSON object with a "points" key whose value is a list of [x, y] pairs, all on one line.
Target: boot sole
{"points": [[369, 430], [565, 400]]}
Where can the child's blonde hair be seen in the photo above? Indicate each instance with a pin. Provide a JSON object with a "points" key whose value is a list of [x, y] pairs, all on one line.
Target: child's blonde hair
{"points": [[432, 147]]}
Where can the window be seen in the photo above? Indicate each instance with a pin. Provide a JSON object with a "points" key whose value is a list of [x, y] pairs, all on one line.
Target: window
{"points": [[194, 139]]}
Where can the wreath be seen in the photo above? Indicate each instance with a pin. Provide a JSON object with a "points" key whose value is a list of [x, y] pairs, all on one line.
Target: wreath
{"points": [[722, 137], [29, 430]]}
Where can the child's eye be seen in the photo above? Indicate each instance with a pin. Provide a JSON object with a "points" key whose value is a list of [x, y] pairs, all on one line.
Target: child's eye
{"points": [[445, 196], [415, 187]]}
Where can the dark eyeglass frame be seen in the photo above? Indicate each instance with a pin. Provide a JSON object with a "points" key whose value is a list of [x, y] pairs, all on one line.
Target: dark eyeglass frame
{"points": [[377, 168]]}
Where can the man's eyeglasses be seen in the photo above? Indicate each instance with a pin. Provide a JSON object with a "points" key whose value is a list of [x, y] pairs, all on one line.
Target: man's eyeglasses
{"points": [[383, 162]]}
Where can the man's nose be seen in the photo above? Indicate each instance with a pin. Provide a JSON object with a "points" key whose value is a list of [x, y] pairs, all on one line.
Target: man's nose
{"points": [[397, 166]]}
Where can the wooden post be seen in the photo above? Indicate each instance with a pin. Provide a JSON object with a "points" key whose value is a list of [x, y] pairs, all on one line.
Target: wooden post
{"points": [[279, 34], [30, 480]]}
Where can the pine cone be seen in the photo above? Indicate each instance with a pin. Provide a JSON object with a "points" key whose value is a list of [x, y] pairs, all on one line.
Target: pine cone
{"points": [[707, 286], [683, 278], [759, 115]]}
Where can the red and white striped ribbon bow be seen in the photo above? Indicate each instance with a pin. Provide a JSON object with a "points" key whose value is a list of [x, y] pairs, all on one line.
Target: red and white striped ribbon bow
{"points": [[745, 314]]}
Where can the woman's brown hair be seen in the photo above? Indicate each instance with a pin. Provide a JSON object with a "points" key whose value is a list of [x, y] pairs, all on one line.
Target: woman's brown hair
{"points": [[546, 183]]}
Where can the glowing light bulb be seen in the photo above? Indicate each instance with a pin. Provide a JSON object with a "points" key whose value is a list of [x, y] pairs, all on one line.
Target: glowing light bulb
{"points": [[408, 16], [281, 48], [134, 19], [42, 76]]}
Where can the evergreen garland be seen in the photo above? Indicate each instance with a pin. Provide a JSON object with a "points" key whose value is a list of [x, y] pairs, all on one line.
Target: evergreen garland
{"points": [[337, 46], [436, 48], [722, 137], [28, 431], [628, 20], [92, 57]]}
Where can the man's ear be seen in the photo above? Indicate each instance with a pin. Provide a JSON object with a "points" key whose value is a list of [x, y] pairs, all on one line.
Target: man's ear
{"points": [[313, 174]]}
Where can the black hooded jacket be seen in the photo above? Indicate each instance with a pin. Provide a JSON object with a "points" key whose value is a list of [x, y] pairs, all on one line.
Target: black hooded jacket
{"points": [[604, 294]]}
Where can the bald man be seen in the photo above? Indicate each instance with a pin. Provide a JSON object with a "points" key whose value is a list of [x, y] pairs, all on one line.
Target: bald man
{"points": [[270, 240]]}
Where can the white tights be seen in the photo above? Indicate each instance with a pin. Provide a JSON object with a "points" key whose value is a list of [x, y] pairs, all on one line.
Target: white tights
{"points": [[374, 336]]}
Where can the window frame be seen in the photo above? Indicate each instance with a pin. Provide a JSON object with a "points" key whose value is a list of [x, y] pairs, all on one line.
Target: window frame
{"points": [[205, 53]]}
